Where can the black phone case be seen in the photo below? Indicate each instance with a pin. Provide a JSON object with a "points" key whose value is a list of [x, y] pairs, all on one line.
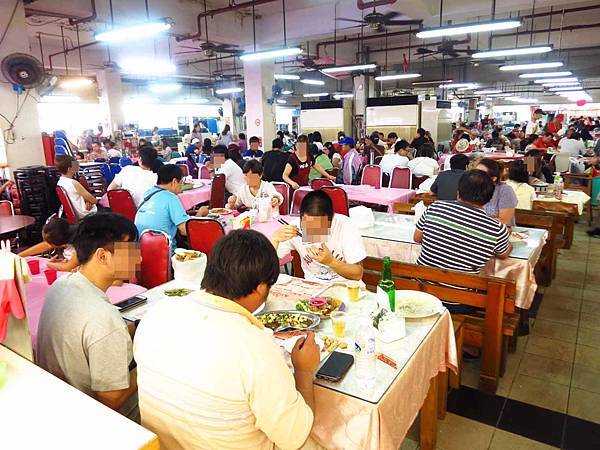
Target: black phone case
{"points": [[336, 366]]}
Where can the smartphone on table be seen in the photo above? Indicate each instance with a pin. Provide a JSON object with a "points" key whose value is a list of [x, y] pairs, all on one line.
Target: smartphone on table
{"points": [[336, 366]]}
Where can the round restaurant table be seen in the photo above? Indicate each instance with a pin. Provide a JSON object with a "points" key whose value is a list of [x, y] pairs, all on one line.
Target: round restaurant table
{"points": [[11, 224]]}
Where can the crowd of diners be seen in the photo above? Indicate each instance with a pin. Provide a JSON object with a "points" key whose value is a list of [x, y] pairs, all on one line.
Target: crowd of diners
{"points": [[201, 371]]}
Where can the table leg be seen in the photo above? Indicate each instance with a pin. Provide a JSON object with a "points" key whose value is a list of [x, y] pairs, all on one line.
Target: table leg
{"points": [[428, 423], [442, 393]]}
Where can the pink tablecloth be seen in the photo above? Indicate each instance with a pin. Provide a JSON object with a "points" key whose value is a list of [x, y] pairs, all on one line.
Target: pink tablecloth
{"points": [[368, 194], [188, 199], [35, 292]]}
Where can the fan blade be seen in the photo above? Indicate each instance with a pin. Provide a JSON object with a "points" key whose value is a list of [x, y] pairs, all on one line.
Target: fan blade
{"points": [[390, 15], [423, 50], [403, 22], [349, 20], [453, 54]]}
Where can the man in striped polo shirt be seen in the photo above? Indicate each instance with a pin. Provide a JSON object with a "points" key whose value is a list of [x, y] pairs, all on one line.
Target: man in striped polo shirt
{"points": [[458, 235]]}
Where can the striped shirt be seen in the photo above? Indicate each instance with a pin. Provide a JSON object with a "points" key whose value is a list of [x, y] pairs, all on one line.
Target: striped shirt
{"points": [[460, 237]]}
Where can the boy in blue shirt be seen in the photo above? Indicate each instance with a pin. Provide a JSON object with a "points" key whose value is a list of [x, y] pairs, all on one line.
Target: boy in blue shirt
{"points": [[161, 210]]}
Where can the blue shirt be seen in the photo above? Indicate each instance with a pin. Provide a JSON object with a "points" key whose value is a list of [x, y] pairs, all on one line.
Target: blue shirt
{"points": [[252, 154], [162, 212]]}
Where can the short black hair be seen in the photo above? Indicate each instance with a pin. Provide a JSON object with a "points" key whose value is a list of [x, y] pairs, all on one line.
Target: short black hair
{"points": [[242, 136], [426, 150], [316, 137], [101, 230], [459, 162], [169, 171], [58, 231], [493, 168], [63, 163], [219, 149], [317, 203], [392, 135], [254, 139], [517, 171], [238, 263], [148, 155], [476, 186], [277, 143], [421, 131], [253, 166], [302, 138], [400, 145]]}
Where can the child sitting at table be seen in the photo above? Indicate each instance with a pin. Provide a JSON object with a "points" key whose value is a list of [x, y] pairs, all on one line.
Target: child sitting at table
{"points": [[254, 188]]}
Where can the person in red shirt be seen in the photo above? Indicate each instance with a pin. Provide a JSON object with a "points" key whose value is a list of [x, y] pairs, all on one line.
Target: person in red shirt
{"points": [[298, 166], [544, 141]]}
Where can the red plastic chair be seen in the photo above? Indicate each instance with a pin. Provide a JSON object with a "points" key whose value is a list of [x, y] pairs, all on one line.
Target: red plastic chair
{"points": [[372, 176], [204, 173], [155, 268], [339, 198], [416, 181], [203, 233], [297, 201], [318, 183], [6, 208], [217, 192], [121, 202], [283, 189], [66, 205], [401, 178]]}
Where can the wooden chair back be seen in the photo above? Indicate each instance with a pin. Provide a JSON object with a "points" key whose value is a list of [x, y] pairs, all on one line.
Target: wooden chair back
{"points": [[546, 266], [581, 182], [572, 215]]}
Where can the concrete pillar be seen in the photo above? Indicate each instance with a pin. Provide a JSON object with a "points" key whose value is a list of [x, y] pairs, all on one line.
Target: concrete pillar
{"points": [[23, 143], [260, 115], [111, 99]]}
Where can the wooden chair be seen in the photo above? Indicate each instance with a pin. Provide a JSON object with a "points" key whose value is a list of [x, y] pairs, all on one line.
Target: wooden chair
{"points": [[495, 296], [403, 208], [202, 234], [121, 202], [565, 208], [427, 199], [581, 182], [155, 268]]}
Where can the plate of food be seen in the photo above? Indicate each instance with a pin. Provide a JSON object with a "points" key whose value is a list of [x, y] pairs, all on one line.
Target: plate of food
{"points": [[289, 320], [220, 211], [416, 304], [322, 306], [178, 292], [183, 255], [518, 238]]}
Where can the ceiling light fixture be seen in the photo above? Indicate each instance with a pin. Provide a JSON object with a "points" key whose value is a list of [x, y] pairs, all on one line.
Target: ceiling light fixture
{"points": [[531, 66], [281, 101], [556, 80], [147, 66], [76, 83], [284, 76], [271, 54], [287, 92], [231, 90], [161, 88], [338, 69], [564, 83], [513, 51], [566, 88], [312, 82], [546, 74], [134, 32], [488, 91], [343, 95], [320, 94], [398, 76], [433, 82], [61, 99], [458, 85], [467, 28]]}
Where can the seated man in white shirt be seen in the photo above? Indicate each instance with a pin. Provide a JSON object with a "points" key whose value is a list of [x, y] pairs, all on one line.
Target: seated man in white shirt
{"points": [[330, 246], [209, 376], [397, 159], [137, 179], [424, 164]]}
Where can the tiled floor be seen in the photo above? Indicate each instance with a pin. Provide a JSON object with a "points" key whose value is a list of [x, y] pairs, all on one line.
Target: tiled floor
{"points": [[550, 395]]}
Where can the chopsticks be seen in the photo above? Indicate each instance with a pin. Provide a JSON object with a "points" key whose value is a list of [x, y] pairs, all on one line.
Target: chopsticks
{"points": [[284, 222]]}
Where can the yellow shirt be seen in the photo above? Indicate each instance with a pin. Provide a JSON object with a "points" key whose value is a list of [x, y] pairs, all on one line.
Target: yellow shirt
{"points": [[525, 194], [209, 377]]}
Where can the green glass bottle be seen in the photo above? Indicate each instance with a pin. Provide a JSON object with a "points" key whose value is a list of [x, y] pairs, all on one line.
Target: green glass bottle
{"points": [[386, 284]]}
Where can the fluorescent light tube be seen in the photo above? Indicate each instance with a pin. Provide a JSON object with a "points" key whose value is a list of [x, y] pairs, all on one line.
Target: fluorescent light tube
{"points": [[312, 82], [557, 80], [281, 101], [320, 94], [345, 95], [287, 92], [232, 90], [513, 51], [546, 74], [271, 54], [284, 76], [566, 88], [143, 100], [398, 76], [501, 95], [338, 69], [479, 27], [61, 99], [134, 32], [531, 66], [457, 85]]}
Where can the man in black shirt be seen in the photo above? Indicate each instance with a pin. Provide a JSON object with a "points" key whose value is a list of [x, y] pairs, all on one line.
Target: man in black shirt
{"points": [[446, 183], [274, 162]]}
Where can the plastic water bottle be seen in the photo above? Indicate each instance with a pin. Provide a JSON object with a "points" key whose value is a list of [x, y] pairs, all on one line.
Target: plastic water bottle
{"points": [[558, 186], [364, 354]]}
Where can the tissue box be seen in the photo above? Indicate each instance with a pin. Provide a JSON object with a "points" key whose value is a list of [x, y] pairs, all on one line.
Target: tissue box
{"points": [[362, 217]]}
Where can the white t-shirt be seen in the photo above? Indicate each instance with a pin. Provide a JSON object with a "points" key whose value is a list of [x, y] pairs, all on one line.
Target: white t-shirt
{"points": [[571, 146], [226, 387], [114, 153], [336, 157], [423, 166], [77, 201], [234, 177], [388, 162], [344, 240], [226, 139], [532, 128], [136, 180], [245, 197]]}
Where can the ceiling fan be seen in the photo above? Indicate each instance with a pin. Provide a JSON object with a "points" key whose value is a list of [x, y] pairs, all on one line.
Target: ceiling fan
{"points": [[378, 22], [446, 48]]}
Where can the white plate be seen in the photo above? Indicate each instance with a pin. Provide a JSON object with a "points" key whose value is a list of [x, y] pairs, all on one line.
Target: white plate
{"points": [[426, 305]]}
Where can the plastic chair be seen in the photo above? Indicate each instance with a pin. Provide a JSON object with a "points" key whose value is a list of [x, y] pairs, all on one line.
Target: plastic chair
{"points": [[184, 168], [318, 183], [155, 267], [66, 205], [204, 173], [202, 234], [217, 192], [297, 201], [283, 189], [6, 208], [114, 169], [339, 197], [121, 202], [372, 176], [125, 161], [114, 160], [401, 178], [416, 181]]}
